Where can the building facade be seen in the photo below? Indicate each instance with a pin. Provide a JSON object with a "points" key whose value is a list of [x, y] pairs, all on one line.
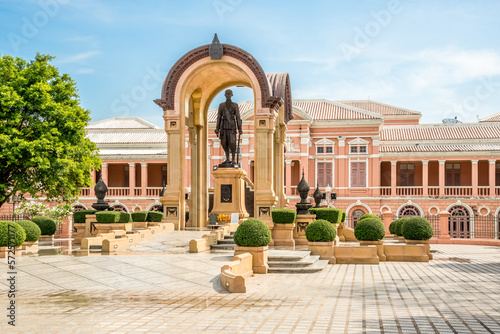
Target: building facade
{"points": [[366, 156]]}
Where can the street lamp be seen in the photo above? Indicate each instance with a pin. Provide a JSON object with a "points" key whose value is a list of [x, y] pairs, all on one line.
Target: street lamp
{"points": [[330, 196]]}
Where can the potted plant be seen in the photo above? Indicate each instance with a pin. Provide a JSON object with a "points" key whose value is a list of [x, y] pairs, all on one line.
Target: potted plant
{"points": [[418, 230], [47, 227], [371, 231], [11, 235], [284, 223], [392, 227], [154, 217], [253, 236], [320, 235], [397, 228], [33, 234]]}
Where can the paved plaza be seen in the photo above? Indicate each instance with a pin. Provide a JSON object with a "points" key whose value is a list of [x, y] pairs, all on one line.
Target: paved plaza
{"points": [[157, 287]]}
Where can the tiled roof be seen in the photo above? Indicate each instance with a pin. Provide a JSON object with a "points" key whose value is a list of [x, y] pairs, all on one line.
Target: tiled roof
{"points": [[316, 109], [441, 132], [128, 137], [122, 123], [438, 148], [127, 151], [243, 106], [492, 118], [380, 108]]}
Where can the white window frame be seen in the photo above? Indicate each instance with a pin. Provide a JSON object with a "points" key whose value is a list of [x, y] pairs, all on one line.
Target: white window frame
{"points": [[367, 172], [332, 161]]}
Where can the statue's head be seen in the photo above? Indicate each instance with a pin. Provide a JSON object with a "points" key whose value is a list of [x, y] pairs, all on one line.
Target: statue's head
{"points": [[228, 94]]}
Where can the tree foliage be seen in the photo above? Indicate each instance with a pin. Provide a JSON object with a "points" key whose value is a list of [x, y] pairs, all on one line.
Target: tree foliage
{"points": [[42, 131]]}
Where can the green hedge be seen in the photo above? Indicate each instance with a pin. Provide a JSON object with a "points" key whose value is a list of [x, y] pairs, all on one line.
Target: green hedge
{"points": [[398, 225], [186, 215], [139, 216], [343, 217], [283, 216], [392, 226], [11, 234], [321, 231], [369, 229], [332, 215], [79, 216], [417, 228], [252, 233], [369, 215], [31, 229], [107, 217], [154, 216], [47, 225]]}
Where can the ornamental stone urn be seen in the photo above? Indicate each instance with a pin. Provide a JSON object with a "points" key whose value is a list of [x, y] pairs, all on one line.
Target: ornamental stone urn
{"points": [[303, 188], [100, 191], [318, 196]]}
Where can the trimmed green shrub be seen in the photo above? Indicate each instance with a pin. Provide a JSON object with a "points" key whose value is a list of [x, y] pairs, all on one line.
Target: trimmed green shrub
{"points": [[369, 229], [392, 227], [283, 216], [252, 233], [107, 217], [369, 215], [187, 215], [47, 225], [11, 234], [332, 215], [124, 217], [343, 217], [154, 216], [312, 210], [321, 230], [398, 225], [139, 216], [417, 228], [79, 216], [31, 229]]}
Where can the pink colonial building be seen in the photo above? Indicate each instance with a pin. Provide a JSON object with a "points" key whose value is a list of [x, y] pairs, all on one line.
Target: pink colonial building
{"points": [[369, 157]]}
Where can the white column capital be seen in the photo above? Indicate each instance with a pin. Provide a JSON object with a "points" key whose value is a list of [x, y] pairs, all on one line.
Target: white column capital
{"points": [[425, 162], [288, 162], [442, 162], [492, 161], [104, 164], [394, 163], [144, 164], [474, 162], [131, 164]]}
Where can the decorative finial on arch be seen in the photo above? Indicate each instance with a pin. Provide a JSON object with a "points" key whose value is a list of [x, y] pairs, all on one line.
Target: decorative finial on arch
{"points": [[215, 50]]}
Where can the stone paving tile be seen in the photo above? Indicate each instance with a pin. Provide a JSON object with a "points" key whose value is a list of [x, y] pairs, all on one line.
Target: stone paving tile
{"points": [[163, 289]]}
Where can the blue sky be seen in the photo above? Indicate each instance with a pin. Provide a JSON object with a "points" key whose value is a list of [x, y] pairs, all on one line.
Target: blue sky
{"points": [[441, 58]]}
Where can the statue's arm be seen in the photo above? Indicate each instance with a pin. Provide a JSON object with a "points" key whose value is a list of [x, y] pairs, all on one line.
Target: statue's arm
{"points": [[238, 118]]}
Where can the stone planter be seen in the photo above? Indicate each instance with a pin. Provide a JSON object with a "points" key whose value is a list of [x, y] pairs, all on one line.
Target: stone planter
{"points": [[400, 239], [108, 227], [136, 225], [421, 242], [259, 257], [323, 249], [380, 248], [283, 235], [46, 240], [4, 252], [299, 233], [30, 245], [80, 232]]}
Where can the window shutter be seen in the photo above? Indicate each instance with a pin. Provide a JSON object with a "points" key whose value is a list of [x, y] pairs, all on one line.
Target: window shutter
{"points": [[328, 173], [362, 174], [321, 174], [354, 174], [358, 174]]}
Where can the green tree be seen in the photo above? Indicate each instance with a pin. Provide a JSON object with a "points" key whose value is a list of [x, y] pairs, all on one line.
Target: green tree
{"points": [[44, 151]]}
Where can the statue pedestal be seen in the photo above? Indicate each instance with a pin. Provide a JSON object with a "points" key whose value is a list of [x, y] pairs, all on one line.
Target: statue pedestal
{"points": [[299, 233], [229, 192]]}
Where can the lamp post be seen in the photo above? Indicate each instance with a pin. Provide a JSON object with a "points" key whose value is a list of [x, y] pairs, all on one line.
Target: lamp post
{"points": [[330, 196]]}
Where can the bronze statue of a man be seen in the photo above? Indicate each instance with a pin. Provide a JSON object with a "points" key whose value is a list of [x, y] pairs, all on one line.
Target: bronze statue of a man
{"points": [[228, 122]]}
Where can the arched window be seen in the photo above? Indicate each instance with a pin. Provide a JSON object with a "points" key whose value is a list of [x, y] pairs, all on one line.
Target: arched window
{"points": [[408, 211], [356, 214], [157, 208], [78, 207], [459, 222], [119, 207]]}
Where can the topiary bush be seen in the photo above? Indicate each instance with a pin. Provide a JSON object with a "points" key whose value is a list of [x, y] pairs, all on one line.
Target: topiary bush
{"points": [[107, 217], [187, 215], [154, 216], [417, 228], [332, 215], [139, 216], [283, 216], [31, 229], [47, 225], [398, 225], [369, 215], [320, 231], [124, 217], [79, 216], [252, 233], [343, 217], [369, 229], [392, 227], [11, 234]]}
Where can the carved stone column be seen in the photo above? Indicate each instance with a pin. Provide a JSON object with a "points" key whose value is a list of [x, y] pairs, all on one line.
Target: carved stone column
{"points": [[131, 179], [144, 179]]}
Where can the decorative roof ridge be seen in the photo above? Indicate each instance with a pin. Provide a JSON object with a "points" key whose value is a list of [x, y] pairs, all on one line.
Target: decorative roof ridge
{"points": [[436, 125], [133, 118], [342, 105], [486, 119]]}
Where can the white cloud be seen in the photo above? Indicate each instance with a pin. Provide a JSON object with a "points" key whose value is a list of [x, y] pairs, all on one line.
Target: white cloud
{"points": [[78, 57], [85, 70]]}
